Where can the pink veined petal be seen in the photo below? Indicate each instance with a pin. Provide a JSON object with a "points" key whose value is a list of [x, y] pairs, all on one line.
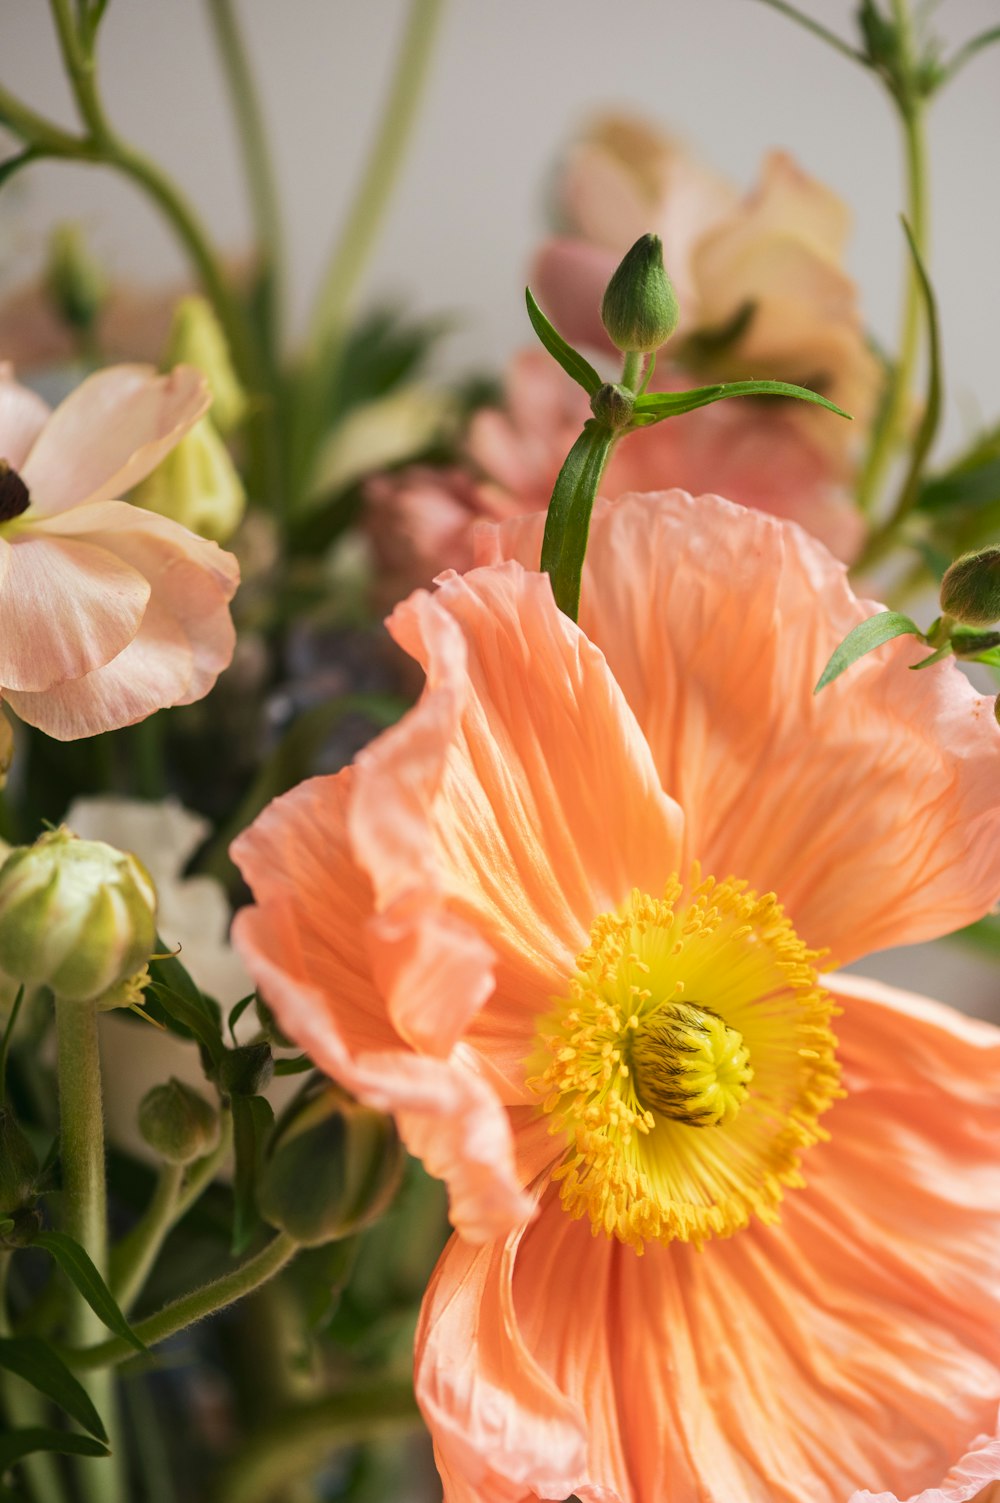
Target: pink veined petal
{"points": [[66, 607], [976, 1479], [717, 622], [23, 415], [111, 432]]}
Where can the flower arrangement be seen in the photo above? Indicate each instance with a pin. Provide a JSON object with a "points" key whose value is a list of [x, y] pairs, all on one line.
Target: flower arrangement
{"points": [[525, 1136]]}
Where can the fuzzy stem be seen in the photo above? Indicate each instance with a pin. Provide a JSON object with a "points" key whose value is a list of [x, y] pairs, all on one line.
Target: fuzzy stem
{"points": [[133, 1258]]}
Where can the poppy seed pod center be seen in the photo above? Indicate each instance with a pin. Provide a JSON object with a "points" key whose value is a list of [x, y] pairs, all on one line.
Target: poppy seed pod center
{"points": [[690, 1065], [14, 495]]}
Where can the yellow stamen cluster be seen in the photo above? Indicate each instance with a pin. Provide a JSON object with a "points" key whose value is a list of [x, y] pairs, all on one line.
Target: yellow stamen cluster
{"points": [[688, 1065]]}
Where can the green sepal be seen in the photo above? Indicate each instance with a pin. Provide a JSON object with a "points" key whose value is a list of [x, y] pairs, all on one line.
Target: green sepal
{"points": [[573, 363], [76, 1264], [236, 1012], [657, 405], [865, 637], [17, 1444], [36, 1363]]}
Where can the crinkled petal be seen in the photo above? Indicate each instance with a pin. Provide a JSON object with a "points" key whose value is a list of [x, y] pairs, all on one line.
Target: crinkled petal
{"points": [[67, 606], [872, 809], [976, 1479], [111, 432], [304, 944], [23, 415], [857, 1342]]}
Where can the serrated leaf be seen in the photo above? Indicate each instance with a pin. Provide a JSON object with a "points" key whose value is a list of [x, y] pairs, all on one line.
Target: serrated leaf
{"points": [[865, 637], [78, 1267], [16, 1444], [657, 405], [37, 1363], [572, 362], [252, 1121]]}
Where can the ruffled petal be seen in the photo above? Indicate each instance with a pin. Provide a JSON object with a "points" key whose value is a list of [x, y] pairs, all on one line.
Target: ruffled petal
{"points": [[855, 1343], [871, 809], [305, 946], [67, 606], [110, 432], [23, 415], [976, 1479]]}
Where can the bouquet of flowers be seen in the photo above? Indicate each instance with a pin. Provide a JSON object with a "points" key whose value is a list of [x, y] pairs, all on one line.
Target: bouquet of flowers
{"points": [[522, 1136]]}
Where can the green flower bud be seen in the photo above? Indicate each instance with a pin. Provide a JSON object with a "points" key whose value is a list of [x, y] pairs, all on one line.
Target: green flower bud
{"points": [[75, 280], [332, 1166], [75, 915], [18, 1166], [613, 405], [245, 1071], [177, 1123], [197, 485], [970, 590], [196, 338], [640, 310]]}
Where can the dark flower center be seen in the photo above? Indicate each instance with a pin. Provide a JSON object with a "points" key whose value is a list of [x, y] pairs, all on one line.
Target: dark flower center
{"points": [[14, 497]]}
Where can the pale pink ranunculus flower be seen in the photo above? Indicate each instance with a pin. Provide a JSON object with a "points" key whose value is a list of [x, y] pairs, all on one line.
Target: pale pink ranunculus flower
{"points": [[107, 612], [421, 520], [572, 922]]}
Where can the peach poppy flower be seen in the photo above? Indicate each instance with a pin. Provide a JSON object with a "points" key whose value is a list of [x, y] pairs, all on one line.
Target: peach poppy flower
{"points": [[107, 612], [566, 920]]}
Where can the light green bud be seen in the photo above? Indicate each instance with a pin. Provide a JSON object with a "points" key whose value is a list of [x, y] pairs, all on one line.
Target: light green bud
{"points": [[178, 1123], [613, 405], [75, 280], [640, 310], [196, 338], [197, 485], [75, 915], [970, 590], [332, 1166]]}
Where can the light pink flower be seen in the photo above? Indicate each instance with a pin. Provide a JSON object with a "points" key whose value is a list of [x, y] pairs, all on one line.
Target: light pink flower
{"points": [[581, 840], [107, 612]]}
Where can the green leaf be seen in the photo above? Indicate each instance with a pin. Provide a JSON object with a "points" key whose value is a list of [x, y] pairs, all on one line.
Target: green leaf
{"points": [[252, 1121], [572, 362], [186, 1003], [567, 525], [296, 1066], [865, 637], [78, 1268], [37, 1363], [235, 1013], [657, 405], [18, 1443], [938, 656]]}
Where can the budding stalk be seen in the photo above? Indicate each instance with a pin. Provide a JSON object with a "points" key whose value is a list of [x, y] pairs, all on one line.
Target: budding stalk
{"points": [[640, 309]]}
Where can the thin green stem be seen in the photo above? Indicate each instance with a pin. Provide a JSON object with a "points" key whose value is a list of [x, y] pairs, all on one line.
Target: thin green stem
{"points": [[135, 1254], [201, 1174], [35, 130], [265, 204], [192, 1307], [81, 1148], [823, 32]]}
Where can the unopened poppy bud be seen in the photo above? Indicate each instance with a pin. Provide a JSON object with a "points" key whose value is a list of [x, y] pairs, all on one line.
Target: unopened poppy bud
{"points": [[177, 1123], [75, 280], [970, 590], [75, 915], [18, 1166], [196, 338], [640, 310], [246, 1070], [197, 485], [6, 747], [613, 405], [332, 1166]]}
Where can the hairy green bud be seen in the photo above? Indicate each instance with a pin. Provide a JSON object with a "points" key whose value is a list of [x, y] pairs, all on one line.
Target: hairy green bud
{"points": [[640, 310], [177, 1123], [613, 405], [970, 590], [246, 1070], [198, 485], [332, 1166]]}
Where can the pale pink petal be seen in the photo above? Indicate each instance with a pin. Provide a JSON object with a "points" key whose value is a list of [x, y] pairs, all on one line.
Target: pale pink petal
{"points": [[110, 432], [568, 277], [716, 623], [67, 605], [305, 947], [856, 1343], [23, 415]]}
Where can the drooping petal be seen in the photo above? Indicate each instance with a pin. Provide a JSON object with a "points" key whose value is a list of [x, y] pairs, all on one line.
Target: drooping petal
{"points": [[67, 606], [856, 1343], [110, 432], [23, 415], [717, 622]]}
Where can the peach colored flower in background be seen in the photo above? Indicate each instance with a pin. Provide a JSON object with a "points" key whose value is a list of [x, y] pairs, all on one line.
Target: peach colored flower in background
{"points": [[107, 612], [564, 920], [421, 520]]}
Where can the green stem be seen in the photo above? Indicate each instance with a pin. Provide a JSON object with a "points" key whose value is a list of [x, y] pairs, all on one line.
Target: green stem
{"points": [[81, 1151], [892, 429], [192, 1307], [135, 1254], [567, 525], [299, 1440], [830, 37], [262, 186]]}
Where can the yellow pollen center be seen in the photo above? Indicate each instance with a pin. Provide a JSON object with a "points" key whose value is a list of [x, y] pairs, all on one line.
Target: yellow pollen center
{"points": [[687, 1065]]}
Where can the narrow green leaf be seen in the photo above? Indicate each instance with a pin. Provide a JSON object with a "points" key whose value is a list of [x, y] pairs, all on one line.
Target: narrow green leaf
{"points": [[968, 51], [184, 1001], [296, 1066], [572, 362], [5, 1043], [657, 405], [938, 656], [37, 1363], [252, 1121], [235, 1013], [16, 1444], [567, 525], [79, 1269], [865, 637]]}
